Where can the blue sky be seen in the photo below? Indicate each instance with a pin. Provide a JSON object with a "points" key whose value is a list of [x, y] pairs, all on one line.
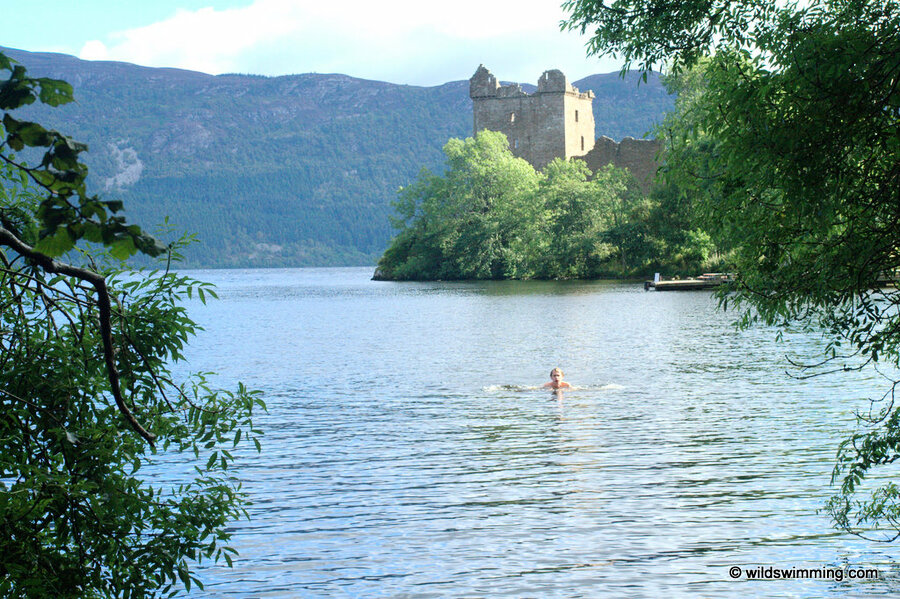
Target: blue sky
{"points": [[402, 41]]}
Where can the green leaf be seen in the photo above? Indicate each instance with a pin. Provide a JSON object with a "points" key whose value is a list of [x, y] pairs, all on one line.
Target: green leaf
{"points": [[185, 578], [33, 134], [123, 248], [55, 92], [57, 244], [93, 233]]}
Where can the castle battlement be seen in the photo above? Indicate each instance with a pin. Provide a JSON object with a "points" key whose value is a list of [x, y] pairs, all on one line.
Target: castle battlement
{"points": [[483, 84], [554, 82], [556, 121]]}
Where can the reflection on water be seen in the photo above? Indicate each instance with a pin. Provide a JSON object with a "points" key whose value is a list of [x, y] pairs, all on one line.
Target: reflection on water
{"points": [[411, 451]]}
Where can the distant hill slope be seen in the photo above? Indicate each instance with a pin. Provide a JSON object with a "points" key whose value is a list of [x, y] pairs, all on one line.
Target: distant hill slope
{"points": [[277, 171], [626, 107]]}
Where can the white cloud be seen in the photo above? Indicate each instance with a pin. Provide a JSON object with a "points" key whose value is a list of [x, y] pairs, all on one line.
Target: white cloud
{"points": [[94, 50], [402, 41]]}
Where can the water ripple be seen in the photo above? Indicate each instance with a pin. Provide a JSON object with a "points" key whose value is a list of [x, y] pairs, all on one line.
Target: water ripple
{"points": [[410, 451]]}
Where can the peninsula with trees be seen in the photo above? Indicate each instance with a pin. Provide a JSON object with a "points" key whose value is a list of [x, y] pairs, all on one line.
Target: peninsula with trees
{"points": [[535, 195]]}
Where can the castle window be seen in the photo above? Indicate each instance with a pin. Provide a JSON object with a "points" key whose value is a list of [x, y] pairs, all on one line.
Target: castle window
{"points": [[576, 120], [512, 117], [582, 140], [516, 144]]}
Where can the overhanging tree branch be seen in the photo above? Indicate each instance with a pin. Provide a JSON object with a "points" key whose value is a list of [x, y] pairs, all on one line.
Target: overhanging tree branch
{"points": [[105, 313]]}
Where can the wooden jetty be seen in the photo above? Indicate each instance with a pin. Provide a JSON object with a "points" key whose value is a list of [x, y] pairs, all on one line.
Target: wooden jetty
{"points": [[709, 280]]}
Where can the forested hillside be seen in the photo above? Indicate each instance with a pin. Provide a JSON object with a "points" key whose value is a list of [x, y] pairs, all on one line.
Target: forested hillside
{"points": [[277, 171]]}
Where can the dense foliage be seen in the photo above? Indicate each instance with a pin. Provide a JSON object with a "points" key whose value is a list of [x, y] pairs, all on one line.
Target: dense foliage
{"points": [[789, 136], [279, 171], [87, 399], [492, 216]]}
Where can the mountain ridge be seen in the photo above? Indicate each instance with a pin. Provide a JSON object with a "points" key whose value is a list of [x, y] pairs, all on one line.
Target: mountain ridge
{"points": [[293, 170]]}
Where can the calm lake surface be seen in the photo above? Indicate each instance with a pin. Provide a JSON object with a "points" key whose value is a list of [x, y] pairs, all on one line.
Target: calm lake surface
{"points": [[410, 453]]}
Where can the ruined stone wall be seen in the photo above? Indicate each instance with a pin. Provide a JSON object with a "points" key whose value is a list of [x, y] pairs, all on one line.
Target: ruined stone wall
{"points": [[556, 121], [533, 126], [578, 126], [637, 155]]}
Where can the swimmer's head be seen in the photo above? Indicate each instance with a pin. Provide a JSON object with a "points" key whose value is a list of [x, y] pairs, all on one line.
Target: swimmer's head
{"points": [[555, 371]]}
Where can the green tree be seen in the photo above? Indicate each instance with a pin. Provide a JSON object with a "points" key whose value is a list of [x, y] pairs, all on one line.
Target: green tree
{"points": [[87, 398], [629, 212], [796, 121], [676, 218], [578, 214], [680, 245], [478, 221], [491, 216]]}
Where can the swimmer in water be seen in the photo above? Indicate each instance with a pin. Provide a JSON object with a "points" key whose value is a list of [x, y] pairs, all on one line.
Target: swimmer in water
{"points": [[556, 380]]}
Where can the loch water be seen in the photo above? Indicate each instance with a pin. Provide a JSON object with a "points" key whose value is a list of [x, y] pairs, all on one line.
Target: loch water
{"points": [[410, 451]]}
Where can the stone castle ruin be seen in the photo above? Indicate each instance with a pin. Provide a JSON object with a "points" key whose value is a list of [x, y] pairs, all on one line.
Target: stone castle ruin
{"points": [[556, 121]]}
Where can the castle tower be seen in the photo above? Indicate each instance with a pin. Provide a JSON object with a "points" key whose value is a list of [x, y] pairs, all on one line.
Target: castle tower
{"points": [[556, 121]]}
